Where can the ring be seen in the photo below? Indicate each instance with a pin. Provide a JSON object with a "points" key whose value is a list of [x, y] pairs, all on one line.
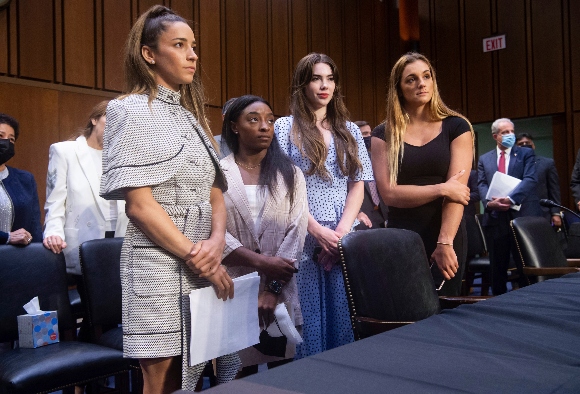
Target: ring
{"points": [[29, 239], [48, 241]]}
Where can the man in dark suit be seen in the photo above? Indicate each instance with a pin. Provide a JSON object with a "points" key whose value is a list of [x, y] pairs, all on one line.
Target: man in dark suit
{"points": [[575, 182], [548, 181], [499, 210], [373, 212]]}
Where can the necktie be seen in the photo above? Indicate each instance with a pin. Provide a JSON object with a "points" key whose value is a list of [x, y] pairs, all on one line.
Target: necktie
{"points": [[374, 193], [501, 165]]}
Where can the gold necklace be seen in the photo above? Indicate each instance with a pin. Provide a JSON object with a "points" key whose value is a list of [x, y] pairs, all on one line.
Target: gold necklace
{"points": [[247, 167]]}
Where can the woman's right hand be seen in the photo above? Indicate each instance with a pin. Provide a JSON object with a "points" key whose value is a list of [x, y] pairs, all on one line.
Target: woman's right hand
{"points": [[54, 243], [223, 284], [277, 268], [456, 191], [327, 239], [20, 237]]}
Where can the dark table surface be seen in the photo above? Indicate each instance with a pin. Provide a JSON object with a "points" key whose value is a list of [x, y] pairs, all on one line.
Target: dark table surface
{"points": [[527, 340]]}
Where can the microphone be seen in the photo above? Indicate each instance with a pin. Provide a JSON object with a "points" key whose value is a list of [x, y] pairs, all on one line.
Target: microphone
{"points": [[549, 204]]}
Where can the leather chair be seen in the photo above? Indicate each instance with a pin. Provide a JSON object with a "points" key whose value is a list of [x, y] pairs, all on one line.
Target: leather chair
{"points": [[26, 272], [100, 266], [539, 254], [387, 280], [477, 264]]}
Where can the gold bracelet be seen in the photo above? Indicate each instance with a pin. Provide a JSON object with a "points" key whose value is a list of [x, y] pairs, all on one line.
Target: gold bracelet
{"points": [[444, 243]]}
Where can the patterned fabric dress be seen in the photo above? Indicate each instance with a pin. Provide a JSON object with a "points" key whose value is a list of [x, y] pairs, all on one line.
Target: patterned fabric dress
{"points": [[164, 147], [322, 295]]}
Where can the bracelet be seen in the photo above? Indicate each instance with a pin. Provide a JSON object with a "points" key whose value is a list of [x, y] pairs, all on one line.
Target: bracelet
{"points": [[444, 243]]}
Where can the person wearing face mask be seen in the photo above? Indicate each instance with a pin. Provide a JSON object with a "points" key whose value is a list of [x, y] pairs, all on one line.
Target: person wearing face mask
{"points": [[373, 212], [19, 207], [519, 163], [74, 211]]}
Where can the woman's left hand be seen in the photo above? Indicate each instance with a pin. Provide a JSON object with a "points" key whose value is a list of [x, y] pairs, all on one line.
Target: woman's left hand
{"points": [[206, 256], [327, 260], [54, 243], [446, 259], [267, 302]]}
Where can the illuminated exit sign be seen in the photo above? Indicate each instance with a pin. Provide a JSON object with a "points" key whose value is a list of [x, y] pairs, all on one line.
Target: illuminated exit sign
{"points": [[494, 43]]}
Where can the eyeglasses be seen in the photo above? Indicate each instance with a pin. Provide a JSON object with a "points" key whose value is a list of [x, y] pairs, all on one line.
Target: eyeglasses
{"points": [[442, 283]]}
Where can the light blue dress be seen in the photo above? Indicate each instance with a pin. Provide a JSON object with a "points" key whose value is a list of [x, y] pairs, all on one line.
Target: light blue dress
{"points": [[322, 295]]}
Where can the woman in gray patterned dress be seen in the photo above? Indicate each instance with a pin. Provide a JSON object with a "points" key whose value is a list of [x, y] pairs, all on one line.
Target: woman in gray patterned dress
{"points": [[159, 156]]}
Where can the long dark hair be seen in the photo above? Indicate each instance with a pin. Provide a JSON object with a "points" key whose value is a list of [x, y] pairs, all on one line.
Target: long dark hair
{"points": [[275, 160], [306, 136]]}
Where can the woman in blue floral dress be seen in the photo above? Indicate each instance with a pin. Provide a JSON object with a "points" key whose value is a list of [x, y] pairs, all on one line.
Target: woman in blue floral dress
{"points": [[315, 137]]}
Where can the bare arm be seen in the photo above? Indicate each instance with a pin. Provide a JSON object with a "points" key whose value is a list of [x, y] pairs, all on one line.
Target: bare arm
{"points": [[444, 255], [411, 196], [354, 200]]}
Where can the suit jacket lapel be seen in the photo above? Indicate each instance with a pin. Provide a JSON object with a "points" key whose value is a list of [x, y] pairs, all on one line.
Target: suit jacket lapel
{"points": [[237, 193], [513, 155], [85, 159]]}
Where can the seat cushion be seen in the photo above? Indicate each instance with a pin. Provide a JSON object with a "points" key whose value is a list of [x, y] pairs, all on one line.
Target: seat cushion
{"points": [[59, 365], [478, 264], [112, 338]]}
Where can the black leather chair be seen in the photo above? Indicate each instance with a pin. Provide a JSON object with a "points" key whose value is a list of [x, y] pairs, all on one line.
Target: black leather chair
{"points": [[26, 272], [477, 264], [387, 279], [539, 254], [100, 266]]}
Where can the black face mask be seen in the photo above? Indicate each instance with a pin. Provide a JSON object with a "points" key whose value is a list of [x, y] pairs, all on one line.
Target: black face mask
{"points": [[525, 146], [6, 150], [367, 141]]}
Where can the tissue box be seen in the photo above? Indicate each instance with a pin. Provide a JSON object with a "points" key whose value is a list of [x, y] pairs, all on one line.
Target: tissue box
{"points": [[38, 329]]}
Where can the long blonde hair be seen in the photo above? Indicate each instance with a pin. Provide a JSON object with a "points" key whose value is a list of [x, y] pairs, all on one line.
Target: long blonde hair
{"points": [[397, 118], [305, 134], [140, 78]]}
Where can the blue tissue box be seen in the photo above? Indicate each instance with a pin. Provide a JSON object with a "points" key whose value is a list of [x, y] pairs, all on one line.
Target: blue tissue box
{"points": [[39, 329]]}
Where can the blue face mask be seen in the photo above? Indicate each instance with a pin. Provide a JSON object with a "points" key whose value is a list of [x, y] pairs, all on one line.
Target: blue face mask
{"points": [[508, 140]]}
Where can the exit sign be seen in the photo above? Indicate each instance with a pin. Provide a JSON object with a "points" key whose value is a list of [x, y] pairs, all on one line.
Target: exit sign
{"points": [[494, 43]]}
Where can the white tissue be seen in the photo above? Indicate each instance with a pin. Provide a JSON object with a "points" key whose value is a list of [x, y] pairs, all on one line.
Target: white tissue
{"points": [[286, 326], [32, 307]]}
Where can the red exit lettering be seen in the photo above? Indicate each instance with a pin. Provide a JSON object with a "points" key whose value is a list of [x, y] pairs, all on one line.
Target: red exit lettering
{"points": [[494, 43]]}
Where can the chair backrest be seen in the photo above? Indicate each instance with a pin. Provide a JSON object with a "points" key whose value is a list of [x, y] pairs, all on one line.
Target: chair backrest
{"points": [[100, 264], [387, 275], [537, 244], [26, 272], [475, 240]]}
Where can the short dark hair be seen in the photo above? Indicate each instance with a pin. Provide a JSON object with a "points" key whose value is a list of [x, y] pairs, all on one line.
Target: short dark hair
{"points": [[10, 121], [361, 123], [524, 135]]}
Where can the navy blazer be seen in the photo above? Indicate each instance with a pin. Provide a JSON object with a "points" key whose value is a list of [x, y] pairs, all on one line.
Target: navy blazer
{"points": [[575, 182], [21, 188], [522, 166], [548, 184]]}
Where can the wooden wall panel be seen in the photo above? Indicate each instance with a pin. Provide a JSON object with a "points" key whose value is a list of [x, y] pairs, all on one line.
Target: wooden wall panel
{"points": [[117, 15], [13, 40], [281, 59], [575, 52], [78, 107], [351, 73], [447, 53], [35, 36], [79, 43], [335, 42], [365, 33], [183, 8], [259, 70], [318, 26], [235, 26], [214, 115], [209, 50], [479, 75], [548, 53], [4, 41], [381, 62], [513, 82], [144, 5], [299, 28]]}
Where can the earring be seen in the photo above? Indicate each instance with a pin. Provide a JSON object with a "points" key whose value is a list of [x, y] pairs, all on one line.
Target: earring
{"points": [[152, 61]]}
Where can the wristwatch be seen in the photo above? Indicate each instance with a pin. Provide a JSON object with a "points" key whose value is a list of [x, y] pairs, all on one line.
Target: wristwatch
{"points": [[274, 287]]}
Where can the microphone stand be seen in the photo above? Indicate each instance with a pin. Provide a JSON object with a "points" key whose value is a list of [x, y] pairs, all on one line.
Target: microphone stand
{"points": [[549, 203]]}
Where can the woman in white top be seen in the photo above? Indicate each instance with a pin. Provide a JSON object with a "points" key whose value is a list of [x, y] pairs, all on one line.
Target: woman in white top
{"points": [[267, 215], [74, 211]]}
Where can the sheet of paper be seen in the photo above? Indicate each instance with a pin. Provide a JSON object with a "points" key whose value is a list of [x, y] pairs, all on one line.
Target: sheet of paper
{"points": [[222, 327], [501, 186]]}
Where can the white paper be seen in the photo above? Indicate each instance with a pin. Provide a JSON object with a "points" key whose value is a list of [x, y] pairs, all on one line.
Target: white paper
{"points": [[287, 328], [32, 307], [222, 327], [501, 186]]}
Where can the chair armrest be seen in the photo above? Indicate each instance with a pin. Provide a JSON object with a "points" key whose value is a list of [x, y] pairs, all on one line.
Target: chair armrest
{"points": [[367, 326], [533, 271], [573, 262], [448, 302]]}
